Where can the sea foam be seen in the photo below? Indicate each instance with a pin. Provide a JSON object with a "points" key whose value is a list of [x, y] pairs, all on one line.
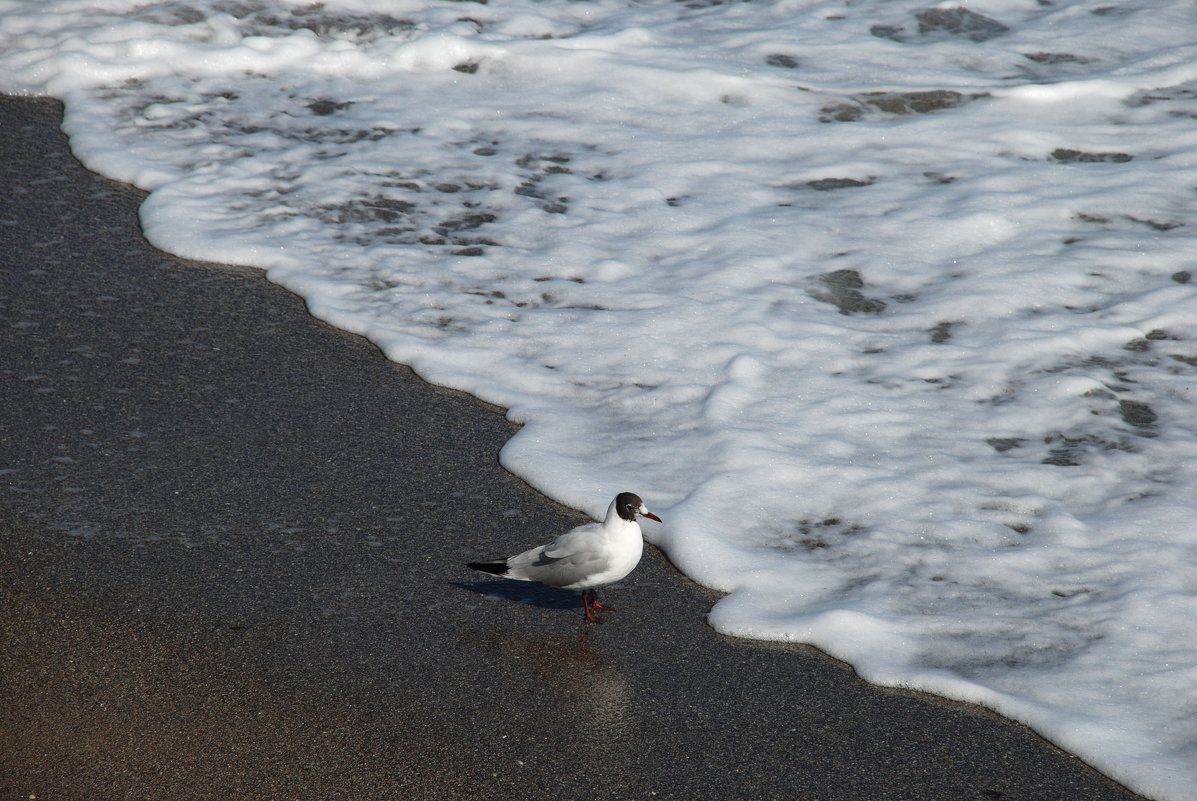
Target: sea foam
{"points": [[887, 307]]}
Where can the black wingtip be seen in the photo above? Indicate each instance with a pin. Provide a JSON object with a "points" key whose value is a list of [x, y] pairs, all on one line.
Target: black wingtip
{"points": [[497, 567]]}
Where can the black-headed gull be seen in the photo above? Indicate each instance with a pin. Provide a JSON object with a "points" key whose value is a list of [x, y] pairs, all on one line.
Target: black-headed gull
{"points": [[585, 558]]}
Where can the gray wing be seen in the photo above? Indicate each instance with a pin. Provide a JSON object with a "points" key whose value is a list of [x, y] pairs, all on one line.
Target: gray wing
{"points": [[568, 560]]}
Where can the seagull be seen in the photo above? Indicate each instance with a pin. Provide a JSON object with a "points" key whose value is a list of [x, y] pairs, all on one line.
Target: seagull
{"points": [[589, 556]]}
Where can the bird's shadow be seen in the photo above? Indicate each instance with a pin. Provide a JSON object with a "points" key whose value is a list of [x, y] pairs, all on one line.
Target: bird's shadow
{"points": [[524, 592]]}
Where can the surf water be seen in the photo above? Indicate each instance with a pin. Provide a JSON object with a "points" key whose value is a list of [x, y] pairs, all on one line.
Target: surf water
{"points": [[887, 307]]}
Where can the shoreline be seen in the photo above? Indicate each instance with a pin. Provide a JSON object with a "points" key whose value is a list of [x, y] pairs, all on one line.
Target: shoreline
{"points": [[232, 550]]}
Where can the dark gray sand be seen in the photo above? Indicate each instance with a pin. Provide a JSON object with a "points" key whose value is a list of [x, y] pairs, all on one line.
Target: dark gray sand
{"points": [[231, 567]]}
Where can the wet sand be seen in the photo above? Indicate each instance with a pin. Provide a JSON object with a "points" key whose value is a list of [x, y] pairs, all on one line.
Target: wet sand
{"points": [[231, 566]]}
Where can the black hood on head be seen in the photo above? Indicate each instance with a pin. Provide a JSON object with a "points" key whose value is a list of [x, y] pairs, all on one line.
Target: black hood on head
{"points": [[628, 504]]}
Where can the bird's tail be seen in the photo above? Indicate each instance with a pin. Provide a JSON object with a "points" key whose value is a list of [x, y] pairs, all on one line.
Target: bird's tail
{"points": [[496, 566]]}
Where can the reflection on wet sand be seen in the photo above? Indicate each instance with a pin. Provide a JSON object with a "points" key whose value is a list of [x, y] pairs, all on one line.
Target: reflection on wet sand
{"points": [[587, 701]]}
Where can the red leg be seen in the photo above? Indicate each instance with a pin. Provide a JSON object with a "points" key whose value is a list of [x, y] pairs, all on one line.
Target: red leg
{"points": [[596, 605], [589, 605]]}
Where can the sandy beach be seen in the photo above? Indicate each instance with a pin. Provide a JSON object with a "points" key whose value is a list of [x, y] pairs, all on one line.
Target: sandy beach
{"points": [[232, 547]]}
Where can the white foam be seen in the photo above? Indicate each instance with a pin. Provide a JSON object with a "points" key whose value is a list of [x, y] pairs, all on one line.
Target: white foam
{"points": [[889, 319]]}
